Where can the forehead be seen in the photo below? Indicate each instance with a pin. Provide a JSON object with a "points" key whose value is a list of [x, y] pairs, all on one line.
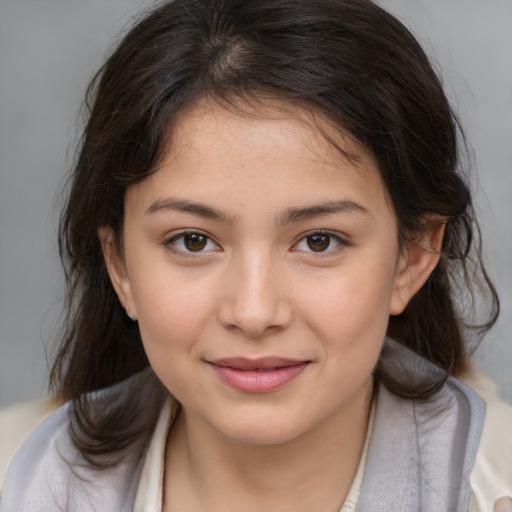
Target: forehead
{"points": [[265, 124], [255, 150]]}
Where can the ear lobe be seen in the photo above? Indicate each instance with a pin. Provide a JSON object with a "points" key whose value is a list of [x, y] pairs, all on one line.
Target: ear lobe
{"points": [[116, 269], [418, 259]]}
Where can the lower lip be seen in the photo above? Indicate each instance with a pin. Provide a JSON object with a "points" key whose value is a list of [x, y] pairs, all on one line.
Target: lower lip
{"points": [[259, 381]]}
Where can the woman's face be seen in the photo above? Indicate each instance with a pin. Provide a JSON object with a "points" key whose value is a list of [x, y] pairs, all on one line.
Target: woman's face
{"points": [[262, 266]]}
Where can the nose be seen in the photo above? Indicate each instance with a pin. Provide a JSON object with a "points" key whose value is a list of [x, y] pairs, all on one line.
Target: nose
{"points": [[255, 300]]}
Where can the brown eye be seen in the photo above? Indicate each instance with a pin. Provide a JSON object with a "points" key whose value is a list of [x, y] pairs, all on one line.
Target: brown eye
{"points": [[318, 242], [191, 242], [323, 243], [195, 242]]}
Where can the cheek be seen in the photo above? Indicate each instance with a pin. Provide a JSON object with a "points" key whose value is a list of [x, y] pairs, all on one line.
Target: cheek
{"points": [[350, 320], [171, 323], [351, 307], [171, 313]]}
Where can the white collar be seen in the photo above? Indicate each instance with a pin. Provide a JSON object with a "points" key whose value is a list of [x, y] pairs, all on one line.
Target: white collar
{"points": [[149, 490]]}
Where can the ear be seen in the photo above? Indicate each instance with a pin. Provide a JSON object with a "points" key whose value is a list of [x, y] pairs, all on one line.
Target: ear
{"points": [[416, 262], [116, 269]]}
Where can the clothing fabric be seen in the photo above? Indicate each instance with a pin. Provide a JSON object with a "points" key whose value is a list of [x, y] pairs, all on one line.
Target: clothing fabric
{"points": [[149, 490], [491, 478], [419, 457]]}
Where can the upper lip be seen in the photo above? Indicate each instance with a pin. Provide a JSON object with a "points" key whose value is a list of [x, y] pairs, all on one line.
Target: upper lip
{"points": [[243, 363]]}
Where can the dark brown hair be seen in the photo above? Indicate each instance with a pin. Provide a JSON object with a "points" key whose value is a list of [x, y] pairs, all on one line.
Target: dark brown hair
{"points": [[346, 60]]}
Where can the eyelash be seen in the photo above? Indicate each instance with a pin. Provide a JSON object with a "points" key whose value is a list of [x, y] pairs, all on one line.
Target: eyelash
{"points": [[341, 243], [171, 243]]}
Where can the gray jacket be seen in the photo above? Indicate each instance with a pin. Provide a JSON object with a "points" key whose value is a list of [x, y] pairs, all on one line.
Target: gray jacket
{"points": [[420, 456]]}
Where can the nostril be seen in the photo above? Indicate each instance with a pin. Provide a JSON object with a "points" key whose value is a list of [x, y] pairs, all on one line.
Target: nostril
{"points": [[253, 331], [254, 307]]}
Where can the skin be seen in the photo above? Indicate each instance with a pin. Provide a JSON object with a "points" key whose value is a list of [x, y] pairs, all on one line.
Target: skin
{"points": [[257, 289]]}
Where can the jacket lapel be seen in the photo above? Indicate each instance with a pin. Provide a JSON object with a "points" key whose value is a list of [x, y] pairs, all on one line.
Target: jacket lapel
{"points": [[421, 452]]}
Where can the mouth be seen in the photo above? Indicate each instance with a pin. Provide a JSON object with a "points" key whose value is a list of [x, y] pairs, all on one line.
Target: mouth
{"points": [[258, 375]]}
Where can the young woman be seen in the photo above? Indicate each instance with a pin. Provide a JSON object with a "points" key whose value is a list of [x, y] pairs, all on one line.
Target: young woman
{"points": [[266, 243]]}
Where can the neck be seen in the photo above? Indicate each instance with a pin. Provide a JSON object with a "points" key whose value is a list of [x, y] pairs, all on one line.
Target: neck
{"points": [[205, 471]]}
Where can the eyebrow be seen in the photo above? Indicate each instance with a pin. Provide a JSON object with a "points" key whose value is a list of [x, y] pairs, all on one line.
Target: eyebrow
{"points": [[290, 216], [343, 206], [194, 208]]}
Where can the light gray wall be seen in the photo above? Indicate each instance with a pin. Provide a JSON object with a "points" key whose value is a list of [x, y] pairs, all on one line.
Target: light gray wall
{"points": [[48, 51]]}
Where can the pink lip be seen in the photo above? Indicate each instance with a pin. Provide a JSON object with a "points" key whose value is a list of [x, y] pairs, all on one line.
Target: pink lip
{"points": [[258, 375]]}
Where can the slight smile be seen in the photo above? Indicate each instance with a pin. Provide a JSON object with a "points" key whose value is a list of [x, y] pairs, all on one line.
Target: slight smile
{"points": [[258, 375]]}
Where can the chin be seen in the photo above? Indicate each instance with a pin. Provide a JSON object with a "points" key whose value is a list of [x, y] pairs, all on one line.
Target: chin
{"points": [[261, 438], [259, 432]]}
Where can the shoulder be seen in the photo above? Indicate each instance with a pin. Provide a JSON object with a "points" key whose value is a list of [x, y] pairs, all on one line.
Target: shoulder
{"points": [[49, 471], [491, 477], [17, 423]]}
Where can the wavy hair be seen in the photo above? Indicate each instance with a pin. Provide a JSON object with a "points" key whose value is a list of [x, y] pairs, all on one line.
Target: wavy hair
{"points": [[347, 61]]}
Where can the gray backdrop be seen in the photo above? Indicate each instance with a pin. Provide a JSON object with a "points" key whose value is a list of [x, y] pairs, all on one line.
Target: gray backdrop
{"points": [[48, 51]]}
